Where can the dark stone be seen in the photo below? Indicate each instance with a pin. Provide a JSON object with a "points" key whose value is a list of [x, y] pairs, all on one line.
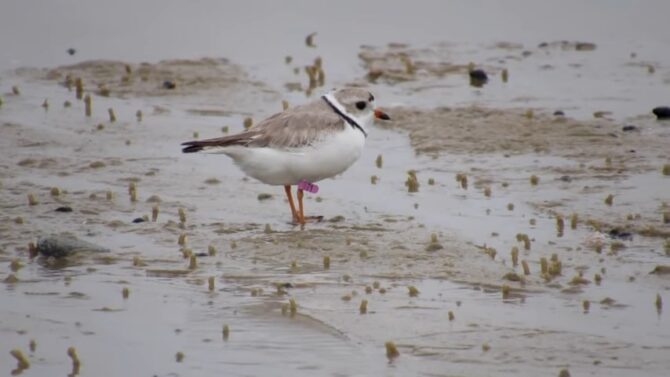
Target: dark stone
{"points": [[478, 74], [478, 78], [64, 209], [138, 220], [71, 51], [169, 84], [200, 255], [566, 178], [629, 128], [618, 234], [662, 112], [559, 113]]}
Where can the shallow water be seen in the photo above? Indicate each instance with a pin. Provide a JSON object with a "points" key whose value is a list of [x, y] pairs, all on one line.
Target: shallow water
{"points": [[541, 329]]}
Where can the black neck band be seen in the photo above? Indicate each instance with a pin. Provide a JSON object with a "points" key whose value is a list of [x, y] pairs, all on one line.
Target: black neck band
{"points": [[345, 116]]}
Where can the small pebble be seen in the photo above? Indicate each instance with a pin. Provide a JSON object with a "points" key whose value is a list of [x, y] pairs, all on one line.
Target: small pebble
{"points": [[662, 112]]}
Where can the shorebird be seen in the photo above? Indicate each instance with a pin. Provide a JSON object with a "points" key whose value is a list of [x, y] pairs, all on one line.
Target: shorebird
{"points": [[301, 145]]}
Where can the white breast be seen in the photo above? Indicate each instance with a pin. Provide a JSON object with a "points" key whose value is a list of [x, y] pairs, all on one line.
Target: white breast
{"points": [[334, 154]]}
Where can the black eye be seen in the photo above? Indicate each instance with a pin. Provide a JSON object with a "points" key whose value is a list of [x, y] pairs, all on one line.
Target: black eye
{"points": [[360, 105]]}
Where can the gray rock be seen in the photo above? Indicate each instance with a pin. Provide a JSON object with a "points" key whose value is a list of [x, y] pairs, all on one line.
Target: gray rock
{"points": [[64, 244]]}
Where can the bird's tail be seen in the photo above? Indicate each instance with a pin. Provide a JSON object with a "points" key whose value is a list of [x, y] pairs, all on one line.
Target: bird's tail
{"points": [[219, 142]]}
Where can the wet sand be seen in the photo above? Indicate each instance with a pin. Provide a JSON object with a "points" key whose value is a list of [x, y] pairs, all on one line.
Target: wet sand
{"points": [[593, 310]]}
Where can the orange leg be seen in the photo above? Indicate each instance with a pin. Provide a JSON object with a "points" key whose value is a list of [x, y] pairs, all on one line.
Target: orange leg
{"points": [[300, 206], [289, 195]]}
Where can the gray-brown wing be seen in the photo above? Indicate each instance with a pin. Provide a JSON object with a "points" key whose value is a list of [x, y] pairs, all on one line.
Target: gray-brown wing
{"points": [[243, 138], [297, 127]]}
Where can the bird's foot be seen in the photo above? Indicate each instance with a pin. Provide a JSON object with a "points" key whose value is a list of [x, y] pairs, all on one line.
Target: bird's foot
{"points": [[307, 219]]}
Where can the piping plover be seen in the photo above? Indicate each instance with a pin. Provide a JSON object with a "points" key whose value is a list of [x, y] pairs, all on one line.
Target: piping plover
{"points": [[301, 145]]}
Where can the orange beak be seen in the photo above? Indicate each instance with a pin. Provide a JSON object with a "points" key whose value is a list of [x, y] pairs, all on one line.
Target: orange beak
{"points": [[381, 115]]}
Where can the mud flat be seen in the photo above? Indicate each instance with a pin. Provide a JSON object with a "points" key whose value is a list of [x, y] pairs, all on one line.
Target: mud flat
{"points": [[492, 240]]}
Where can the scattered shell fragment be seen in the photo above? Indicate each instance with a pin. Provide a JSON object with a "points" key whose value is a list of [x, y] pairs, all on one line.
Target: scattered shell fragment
{"points": [[21, 360], [374, 179], [87, 105], [225, 332], [666, 169], [505, 290], [292, 306], [534, 180], [154, 213], [76, 364], [32, 345], [309, 40], [363, 308], [125, 292], [412, 183], [193, 263], [326, 262], [451, 315], [463, 180], [487, 192], [579, 280], [32, 200], [379, 161], [181, 241], [515, 256], [586, 305], [210, 283], [544, 266], [45, 104], [15, 90], [522, 237], [182, 215], [486, 347], [564, 373], [132, 191], [574, 218], [248, 122], [504, 75], [413, 291], [79, 87], [391, 350], [138, 115], [211, 250], [609, 199], [659, 303], [112, 116], [560, 225], [179, 356]]}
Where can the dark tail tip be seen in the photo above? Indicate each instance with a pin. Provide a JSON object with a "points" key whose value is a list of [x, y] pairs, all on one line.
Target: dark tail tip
{"points": [[191, 147]]}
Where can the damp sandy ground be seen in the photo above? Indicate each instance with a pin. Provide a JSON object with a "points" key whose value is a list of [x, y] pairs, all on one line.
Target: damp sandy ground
{"points": [[595, 311]]}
